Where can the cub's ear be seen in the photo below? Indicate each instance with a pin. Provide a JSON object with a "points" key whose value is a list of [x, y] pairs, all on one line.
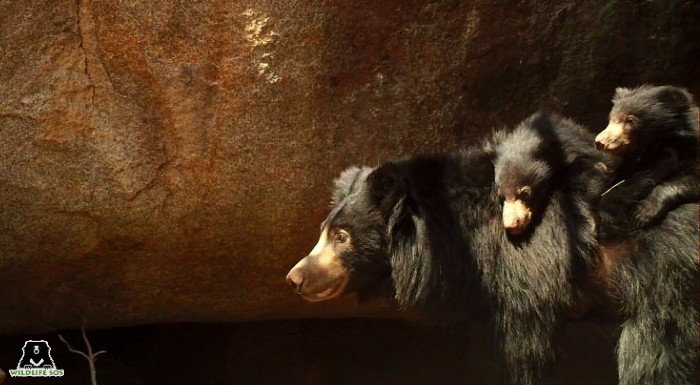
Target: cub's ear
{"points": [[385, 184], [621, 92], [674, 97], [543, 124], [491, 143], [348, 181]]}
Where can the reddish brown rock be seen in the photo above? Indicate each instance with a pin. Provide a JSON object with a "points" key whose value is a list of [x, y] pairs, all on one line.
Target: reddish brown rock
{"points": [[169, 162]]}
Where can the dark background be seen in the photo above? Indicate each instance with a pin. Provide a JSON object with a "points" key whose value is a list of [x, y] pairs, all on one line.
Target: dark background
{"points": [[313, 351]]}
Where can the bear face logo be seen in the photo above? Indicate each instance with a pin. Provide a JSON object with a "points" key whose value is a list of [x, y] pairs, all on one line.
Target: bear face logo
{"points": [[36, 355]]}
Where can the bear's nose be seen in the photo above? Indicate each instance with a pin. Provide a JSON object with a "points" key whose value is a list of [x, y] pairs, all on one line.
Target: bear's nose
{"points": [[514, 224], [295, 279], [599, 145]]}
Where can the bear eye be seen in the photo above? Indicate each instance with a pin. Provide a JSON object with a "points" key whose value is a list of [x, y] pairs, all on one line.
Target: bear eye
{"points": [[629, 120], [341, 237], [525, 193]]}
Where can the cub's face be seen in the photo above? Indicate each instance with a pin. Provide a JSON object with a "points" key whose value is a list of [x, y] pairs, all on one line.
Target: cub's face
{"points": [[646, 116], [521, 185], [617, 137], [517, 209], [350, 255]]}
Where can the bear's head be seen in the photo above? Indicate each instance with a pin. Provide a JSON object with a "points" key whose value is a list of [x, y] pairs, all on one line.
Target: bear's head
{"points": [[374, 236], [526, 161], [647, 115]]}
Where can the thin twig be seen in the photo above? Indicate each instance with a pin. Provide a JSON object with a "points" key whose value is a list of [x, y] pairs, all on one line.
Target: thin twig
{"points": [[90, 356], [611, 188], [70, 348], [89, 346]]}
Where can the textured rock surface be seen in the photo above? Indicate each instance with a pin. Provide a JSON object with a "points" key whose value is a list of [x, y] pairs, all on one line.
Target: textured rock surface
{"points": [[169, 161]]}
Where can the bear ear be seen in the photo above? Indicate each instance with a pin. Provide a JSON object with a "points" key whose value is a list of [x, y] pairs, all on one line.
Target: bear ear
{"points": [[385, 182], [492, 142], [347, 182], [674, 97], [543, 124], [621, 92], [412, 270]]}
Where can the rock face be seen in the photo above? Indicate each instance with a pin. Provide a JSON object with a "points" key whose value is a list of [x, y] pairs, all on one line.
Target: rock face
{"points": [[170, 161]]}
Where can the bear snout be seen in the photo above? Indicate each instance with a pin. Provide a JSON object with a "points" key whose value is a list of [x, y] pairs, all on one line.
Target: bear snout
{"points": [[602, 141], [599, 145], [516, 216], [614, 139], [295, 278], [315, 280]]}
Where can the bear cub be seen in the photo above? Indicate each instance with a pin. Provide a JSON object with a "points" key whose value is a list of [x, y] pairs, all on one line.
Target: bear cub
{"points": [[544, 152], [653, 130]]}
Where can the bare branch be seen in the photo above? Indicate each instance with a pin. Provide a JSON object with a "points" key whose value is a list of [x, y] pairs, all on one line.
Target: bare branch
{"points": [[85, 339], [89, 356], [70, 348]]}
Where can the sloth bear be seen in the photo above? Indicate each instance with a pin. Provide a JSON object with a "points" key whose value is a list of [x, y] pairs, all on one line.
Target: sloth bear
{"points": [[655, 129], [431, 226], [544, 152], [650, 232]]}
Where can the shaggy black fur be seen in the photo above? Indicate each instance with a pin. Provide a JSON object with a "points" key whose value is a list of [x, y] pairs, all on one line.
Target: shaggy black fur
{"points": [[657, 280], [547, 152], [659, 288], [431, 225]]}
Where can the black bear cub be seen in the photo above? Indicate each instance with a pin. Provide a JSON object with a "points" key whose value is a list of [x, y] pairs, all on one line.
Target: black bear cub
{"points": [[545, 151], [654, 132]]}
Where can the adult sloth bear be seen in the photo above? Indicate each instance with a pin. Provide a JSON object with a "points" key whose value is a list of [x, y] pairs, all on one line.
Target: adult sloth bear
{"points": [[432, 226]]}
